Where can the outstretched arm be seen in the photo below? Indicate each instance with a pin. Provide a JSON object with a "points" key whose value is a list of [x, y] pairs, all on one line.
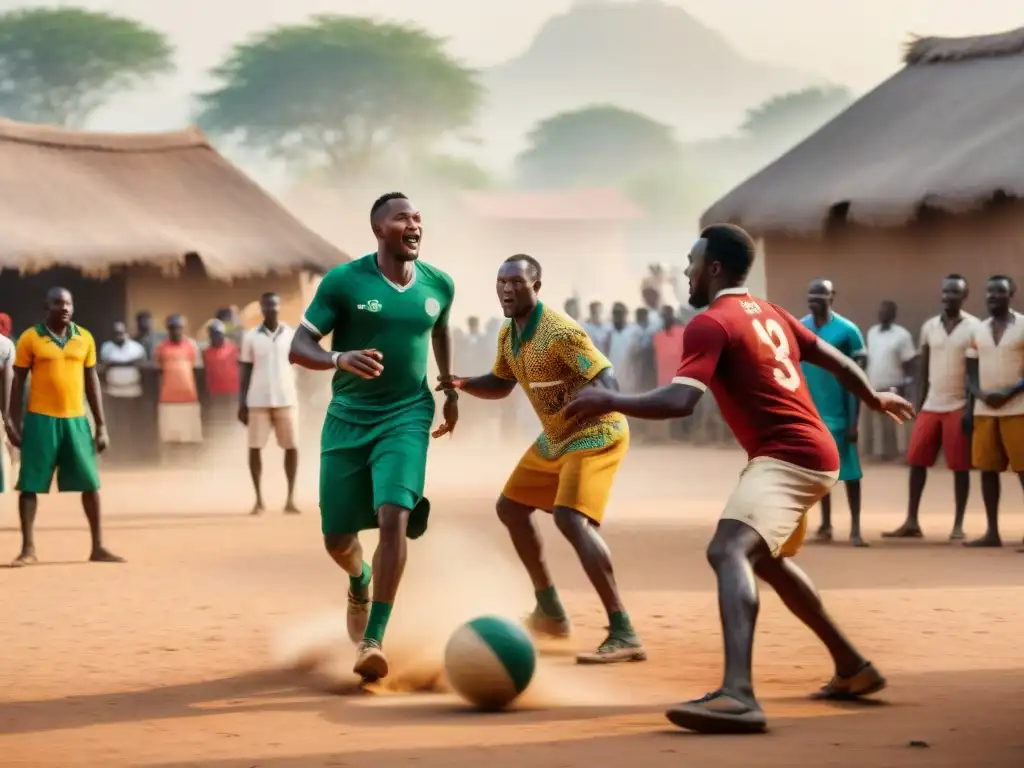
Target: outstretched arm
{"points": [[846, 370], [486, 387]]}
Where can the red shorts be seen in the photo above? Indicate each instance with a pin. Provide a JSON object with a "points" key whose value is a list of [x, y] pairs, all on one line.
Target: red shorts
{"points": [[933, 431]]}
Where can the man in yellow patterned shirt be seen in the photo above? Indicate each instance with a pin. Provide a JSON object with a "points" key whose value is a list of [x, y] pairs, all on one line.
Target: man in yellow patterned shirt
{"points": [[569, 470], [55, 435]]}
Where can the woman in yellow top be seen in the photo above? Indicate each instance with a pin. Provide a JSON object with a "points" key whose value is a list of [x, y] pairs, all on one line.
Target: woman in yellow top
{"points": [[569, 470], [55, 436]]}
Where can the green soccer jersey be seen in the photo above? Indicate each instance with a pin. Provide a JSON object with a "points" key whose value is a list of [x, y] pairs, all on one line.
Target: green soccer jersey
{"points": [[362, 309]]}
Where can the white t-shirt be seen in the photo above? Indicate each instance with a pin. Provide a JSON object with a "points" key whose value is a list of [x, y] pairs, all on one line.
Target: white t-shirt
{"points": [[888, 350], [123, 380], [1000, 366], [6, 351], [947, 362], [272, 384]]}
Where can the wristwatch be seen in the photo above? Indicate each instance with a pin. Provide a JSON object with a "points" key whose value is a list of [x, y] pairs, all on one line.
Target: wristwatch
{"points": [[335, 357]]}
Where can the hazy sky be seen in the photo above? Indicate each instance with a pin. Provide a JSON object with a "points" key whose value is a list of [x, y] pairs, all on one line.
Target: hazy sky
{"points": [[853, 42]]}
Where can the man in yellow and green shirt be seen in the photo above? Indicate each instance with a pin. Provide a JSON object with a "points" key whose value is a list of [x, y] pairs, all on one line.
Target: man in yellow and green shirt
{"points": [[55, 436], [569, 470]]}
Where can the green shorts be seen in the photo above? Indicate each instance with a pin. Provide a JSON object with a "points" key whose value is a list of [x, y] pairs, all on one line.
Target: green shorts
{"points": [[65, 446], [365, 466]]}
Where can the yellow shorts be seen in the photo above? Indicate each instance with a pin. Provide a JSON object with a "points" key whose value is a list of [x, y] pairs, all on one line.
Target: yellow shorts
{"points": [[579, 480], [998, 443]]}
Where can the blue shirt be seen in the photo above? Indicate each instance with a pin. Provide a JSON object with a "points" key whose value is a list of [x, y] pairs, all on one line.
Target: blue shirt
{"points": [[834, 403]]}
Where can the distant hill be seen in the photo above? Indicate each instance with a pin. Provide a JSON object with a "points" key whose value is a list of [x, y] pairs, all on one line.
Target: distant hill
{"points": [[642, 55]]}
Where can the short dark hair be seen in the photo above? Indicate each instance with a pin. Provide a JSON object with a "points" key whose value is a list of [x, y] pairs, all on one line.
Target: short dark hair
{"points": [[955, 276], [532, 262], [269, 295], [1009, 281], [383, 200], [619, 306], [731, 247]]}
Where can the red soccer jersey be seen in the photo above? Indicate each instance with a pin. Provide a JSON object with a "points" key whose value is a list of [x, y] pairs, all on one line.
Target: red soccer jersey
{"points": [[748, 352]]}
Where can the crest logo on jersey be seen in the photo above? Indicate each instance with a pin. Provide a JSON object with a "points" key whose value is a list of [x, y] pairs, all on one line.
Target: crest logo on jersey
{"points": [[432, 307], [371, 306], [751, 307]]}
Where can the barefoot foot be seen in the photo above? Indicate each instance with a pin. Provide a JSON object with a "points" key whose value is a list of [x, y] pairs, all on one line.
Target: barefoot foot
{"points": [[101, 555], [27, 557]]}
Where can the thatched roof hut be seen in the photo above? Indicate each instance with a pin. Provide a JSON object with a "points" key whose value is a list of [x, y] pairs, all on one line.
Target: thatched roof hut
{"points": [[920, 177], [95, 201], [113, 216]]}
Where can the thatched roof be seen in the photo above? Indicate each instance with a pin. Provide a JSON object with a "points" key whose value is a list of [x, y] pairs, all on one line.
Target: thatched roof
{"points": [[95, 201], [944, 133]]}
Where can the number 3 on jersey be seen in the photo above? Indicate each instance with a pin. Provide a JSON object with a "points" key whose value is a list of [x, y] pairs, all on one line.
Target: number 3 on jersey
{"points": [[771, 333]]}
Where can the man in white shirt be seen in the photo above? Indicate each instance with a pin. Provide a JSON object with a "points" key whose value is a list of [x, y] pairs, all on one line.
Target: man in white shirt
{"points": [[268, 396], [6, 377], [623, 337], [943, 418], [121, 359], [891, 354], [595, 326], [996, 379]]}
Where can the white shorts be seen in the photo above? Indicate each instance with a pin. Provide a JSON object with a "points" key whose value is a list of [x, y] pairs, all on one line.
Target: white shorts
{"points": [[283, 422], [180, 423], [773, 497]]}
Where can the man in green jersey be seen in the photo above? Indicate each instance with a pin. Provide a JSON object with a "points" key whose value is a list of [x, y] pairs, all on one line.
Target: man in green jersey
{"points": [[381, 310]]}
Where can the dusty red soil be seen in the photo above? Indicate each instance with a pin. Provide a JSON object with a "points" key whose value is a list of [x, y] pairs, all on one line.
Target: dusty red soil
{"points": [[174, 659]]}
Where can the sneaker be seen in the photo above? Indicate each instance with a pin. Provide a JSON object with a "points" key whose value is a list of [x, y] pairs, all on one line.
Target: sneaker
{"points": [[357, 616], [371, 663], [539, 624], [616, 648]]}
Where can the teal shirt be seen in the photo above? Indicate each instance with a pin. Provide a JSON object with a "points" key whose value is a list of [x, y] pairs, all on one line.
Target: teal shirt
{"points": [[834, 403], [362, 309]]}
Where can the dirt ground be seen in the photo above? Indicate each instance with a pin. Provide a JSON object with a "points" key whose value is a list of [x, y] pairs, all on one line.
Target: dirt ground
{"points": [[182, 656]]}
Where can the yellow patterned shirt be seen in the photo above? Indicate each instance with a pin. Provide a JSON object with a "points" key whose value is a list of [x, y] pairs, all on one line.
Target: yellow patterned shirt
{"points": [[552, 360]]}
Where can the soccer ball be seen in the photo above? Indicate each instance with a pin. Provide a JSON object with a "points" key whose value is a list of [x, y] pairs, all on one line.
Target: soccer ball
{"points": [[489, 661]]}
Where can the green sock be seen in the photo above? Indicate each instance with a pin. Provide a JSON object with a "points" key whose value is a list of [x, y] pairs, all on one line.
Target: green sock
{"points": [[360, 585], [379, 615], [618, 623], [549, 603]]}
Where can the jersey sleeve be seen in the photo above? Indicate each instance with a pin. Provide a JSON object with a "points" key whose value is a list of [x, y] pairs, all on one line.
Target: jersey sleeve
{"points": [[325, 309], [704, 338], [245, 355], [856, 341], [501, 367], [24, 354], [573, 347], [448, 300], [90, 351], [806, 340], [907, 349]]}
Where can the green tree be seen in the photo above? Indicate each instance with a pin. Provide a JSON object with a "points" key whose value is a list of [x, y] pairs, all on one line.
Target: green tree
{"points": [[597, 145], [59, 65], [335, 91], [790, 117]]}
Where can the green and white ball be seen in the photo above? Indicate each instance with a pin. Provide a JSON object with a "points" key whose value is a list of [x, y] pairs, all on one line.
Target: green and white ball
{"points": [[489, 661]]}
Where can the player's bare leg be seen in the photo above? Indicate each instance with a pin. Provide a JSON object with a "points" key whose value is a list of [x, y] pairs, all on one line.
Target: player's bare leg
{"points": [[99, 553], [256, 472], [622, 643], [991, 491], [911, 527], [824, 534], [548, 618], [347, 552], [388, 567], [961, 492], [27, 503], [854, 675], [291, 470], [733, 708], [853, 496]]}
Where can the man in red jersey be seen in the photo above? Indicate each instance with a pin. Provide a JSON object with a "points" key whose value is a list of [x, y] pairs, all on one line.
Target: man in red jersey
{"points": [[748, 351]]}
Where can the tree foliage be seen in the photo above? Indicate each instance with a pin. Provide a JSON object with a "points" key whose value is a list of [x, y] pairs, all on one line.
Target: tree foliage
{"points": [[597, 145], [793, 115], [59, 65], [339, 91]]}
